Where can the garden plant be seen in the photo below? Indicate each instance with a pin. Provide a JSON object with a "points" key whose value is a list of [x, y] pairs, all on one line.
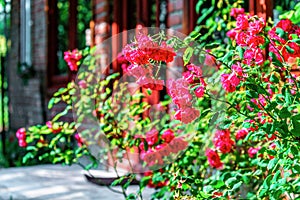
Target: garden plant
{"points": [[230, 127]]}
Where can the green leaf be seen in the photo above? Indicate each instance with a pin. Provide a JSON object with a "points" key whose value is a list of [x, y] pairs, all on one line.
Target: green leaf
{"points": [[296, 40], [274, 78], [187, 55], [212, 45], [237, 185], [281, 33], [275, 60], [289, 49], [296, 127], [240, 51], [230, 181], [272, 164], [284, 113]]}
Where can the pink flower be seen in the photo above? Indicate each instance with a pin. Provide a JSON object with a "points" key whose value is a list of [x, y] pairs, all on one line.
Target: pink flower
{"points": [[163, 149], [179, 92], [257, 26], [254, 41], [21, 134], [168, 135], [22, 143], [285, 25], [222, 141], [230, 82], [253, 56], [237, 68], [253, 151], [152, 137], [242, 22], [177, 144], [213, 159], [82, 84], [199, 92], [241, 38], [72, 58], [188, 76], [195, 69], [78, 139], [241, 134], [189, 114], [236, 12], [231, 34]]}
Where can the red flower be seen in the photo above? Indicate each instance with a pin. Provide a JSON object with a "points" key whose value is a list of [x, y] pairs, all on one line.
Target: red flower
{"points": [[152, 137], [256, 26], [241, 134], [217, 194], [253, 151], [253, 56], [231, 34], [168, 135], [254, 41], [222, 141], [285, 25], [177, 144], [242, 22], [79, 140], [199, 92], [144, 49], [72, 58], [236, 12], [22, 143], [213, 159], [230, 82], [21, 134]]}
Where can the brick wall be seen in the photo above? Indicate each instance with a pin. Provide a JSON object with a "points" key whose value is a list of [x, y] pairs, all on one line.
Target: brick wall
{"points": [[26, 104], [175, 15]]}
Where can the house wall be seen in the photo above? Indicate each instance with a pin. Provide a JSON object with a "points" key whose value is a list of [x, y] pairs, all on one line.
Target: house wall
{"points": [[26, 100]]}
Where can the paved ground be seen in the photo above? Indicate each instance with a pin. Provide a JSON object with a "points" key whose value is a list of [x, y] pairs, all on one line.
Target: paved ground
{"points": [[45, 182]]}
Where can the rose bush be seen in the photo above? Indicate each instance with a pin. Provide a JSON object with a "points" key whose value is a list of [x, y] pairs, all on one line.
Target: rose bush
{"points": [[249, 149]]}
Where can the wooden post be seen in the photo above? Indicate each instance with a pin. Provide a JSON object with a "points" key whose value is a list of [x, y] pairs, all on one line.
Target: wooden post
{"points": [[52, 41], [262, 8]]}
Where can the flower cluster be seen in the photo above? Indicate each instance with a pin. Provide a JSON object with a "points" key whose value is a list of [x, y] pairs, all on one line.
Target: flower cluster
{"points": [[247, 35], [21, 135], [236, 12], [194, 76], [145, 50], [145, 56], [180, 93], [222, 141], [160, 146], [282, 44], [144, 76], [72, 58]]}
